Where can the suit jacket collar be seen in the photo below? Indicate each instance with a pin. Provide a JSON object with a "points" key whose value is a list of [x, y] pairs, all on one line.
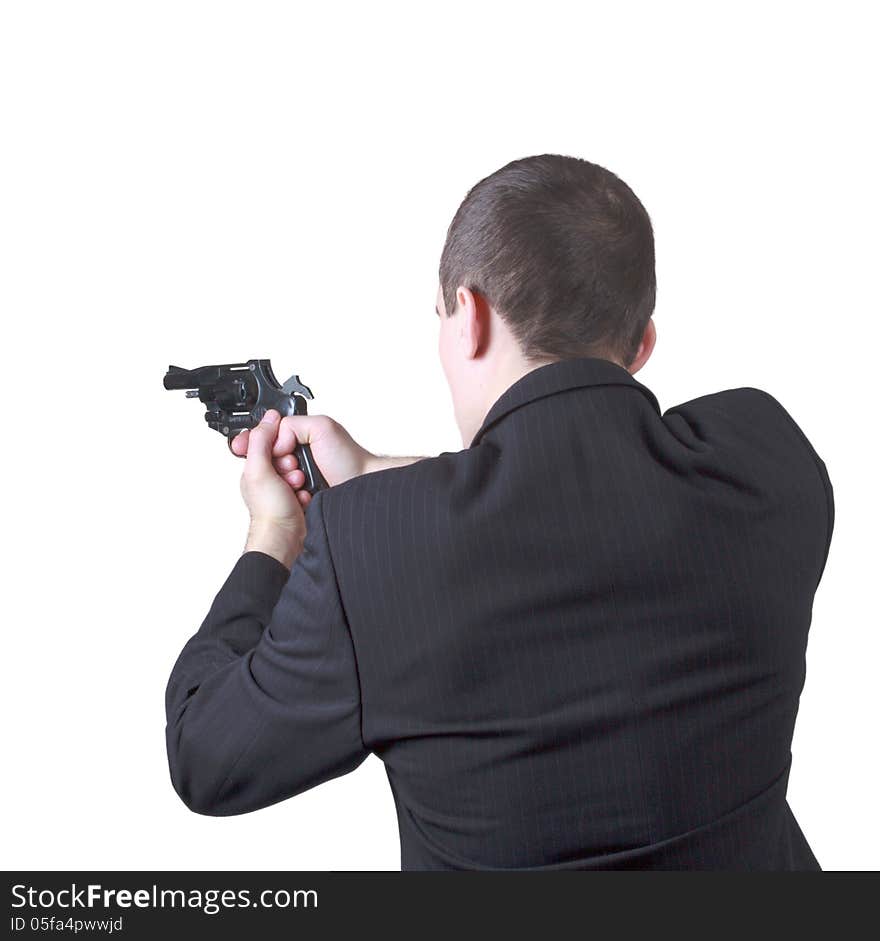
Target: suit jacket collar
{"points": [[560, 377]]}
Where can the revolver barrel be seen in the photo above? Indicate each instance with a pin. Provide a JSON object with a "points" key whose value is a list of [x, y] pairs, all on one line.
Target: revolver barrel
{"points": [[177, 378]]}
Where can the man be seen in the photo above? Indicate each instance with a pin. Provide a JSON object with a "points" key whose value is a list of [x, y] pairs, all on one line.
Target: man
{"points": [[579, 642]]}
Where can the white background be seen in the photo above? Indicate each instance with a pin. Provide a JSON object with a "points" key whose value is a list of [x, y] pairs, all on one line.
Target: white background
{"points": [[197, 183]]}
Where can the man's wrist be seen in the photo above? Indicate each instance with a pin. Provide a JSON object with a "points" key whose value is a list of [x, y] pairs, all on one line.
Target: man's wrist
{"points": [[282, 542], [377, 462]]}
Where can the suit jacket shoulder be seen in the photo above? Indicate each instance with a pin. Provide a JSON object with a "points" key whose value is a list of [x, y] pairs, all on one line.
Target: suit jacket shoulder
{"points": [[758, 421]]}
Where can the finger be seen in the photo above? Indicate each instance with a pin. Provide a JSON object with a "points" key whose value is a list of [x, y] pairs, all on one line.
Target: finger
{"points": [[286, 440], [304, 497], [259, 445], [286, 464], [295, 428], [296, 479], [239, 443]]}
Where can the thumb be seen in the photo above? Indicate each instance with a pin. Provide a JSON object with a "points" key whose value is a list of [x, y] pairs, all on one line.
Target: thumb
{"points": [[298, 428], [259, 446]]}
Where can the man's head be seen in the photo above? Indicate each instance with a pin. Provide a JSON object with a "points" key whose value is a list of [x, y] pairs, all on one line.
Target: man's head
{"points": [[548, 258]]}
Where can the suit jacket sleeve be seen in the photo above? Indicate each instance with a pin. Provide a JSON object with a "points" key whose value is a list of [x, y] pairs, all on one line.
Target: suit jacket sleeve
{"points": [[263, 701], [821, 469]]}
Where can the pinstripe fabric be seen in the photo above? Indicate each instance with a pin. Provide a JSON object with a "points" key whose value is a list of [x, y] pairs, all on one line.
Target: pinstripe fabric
{"points": [[577, 644]]}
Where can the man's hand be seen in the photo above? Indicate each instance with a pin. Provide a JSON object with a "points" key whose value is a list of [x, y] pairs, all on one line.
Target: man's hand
{"points": [[272, 481], [336, 453], [275, 502]]}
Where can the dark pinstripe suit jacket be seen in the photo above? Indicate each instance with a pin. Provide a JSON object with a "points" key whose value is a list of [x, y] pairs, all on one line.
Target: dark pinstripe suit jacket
{"points": [[577, 644]]}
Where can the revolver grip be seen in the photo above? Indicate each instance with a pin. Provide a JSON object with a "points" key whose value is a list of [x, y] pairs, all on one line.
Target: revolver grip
{"points": [[303, 453], [314, 478]]}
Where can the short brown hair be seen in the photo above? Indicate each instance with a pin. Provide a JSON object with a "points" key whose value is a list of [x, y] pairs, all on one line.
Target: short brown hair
{"points": [[563, 250]]}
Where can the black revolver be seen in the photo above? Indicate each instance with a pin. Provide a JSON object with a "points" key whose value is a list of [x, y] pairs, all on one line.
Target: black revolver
{"points": [[237, 395]]}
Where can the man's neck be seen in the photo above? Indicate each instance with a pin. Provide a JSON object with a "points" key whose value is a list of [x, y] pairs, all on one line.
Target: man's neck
{"points": [[501, 379], [510, 372]]}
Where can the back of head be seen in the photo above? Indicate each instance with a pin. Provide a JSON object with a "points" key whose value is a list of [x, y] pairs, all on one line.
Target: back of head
{"points": [[563, 250]]}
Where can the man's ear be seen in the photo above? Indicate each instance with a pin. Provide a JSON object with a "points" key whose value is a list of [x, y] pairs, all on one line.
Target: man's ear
{"points": [[646, 347], [473, 318]]}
